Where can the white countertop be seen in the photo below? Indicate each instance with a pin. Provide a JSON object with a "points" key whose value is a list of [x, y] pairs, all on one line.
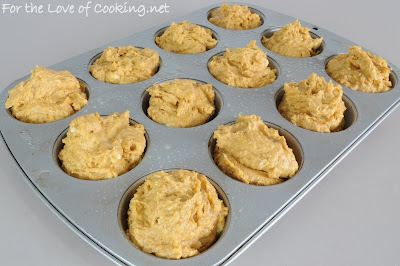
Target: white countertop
{"points": [[351, 217]]}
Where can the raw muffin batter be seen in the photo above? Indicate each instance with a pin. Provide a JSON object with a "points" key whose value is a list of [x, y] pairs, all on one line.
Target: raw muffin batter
{"points": [[46, 96], [243, 67], [125, 65], [251, 152], [293, 40], [181, 103], [360, 71], [186, 38], [235, 17], [176, 214], [314, 104], [101, 148]]}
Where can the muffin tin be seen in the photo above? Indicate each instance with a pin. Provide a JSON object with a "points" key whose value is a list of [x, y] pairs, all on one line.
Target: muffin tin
{"points": [[96, 210]]}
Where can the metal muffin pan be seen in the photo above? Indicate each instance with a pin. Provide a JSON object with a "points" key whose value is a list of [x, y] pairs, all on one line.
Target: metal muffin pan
{"points": [[93, 209]]}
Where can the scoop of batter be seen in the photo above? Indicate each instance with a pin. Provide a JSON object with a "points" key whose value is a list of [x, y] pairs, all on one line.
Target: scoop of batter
{"points": [[314, 104], [181, 103], [235, 17], [243, 67], [101, 148], [360, 71], [293, 40], [251, 152], [186, 38], [46, 96], [125, 65], [176, 214]]}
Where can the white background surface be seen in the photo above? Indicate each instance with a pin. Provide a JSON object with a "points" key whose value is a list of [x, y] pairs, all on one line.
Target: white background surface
{"points": [[350, 218]]}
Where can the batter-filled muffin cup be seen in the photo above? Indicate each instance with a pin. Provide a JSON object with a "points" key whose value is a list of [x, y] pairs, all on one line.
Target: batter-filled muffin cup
{"points": [[253, 153], [243, 67], [234, 17], [186, 38], [99, 148], [360, 71], [46, 96], [293, 40], [125, 65], [175, 214], [181, 103], [314, 104]]}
